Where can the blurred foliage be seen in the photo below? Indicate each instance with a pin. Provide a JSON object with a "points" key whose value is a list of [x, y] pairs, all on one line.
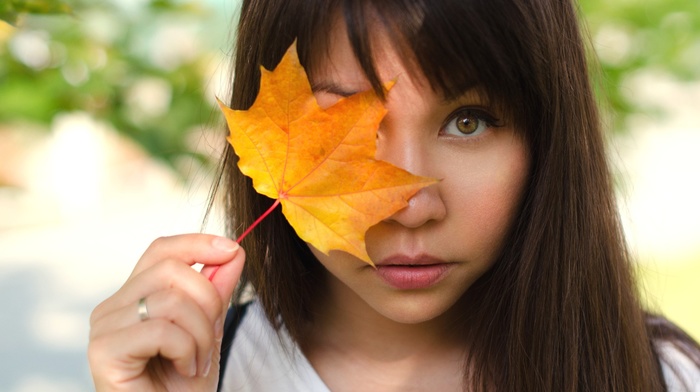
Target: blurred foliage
{"points": [[11, 9], [142, 65], [632, 36]]}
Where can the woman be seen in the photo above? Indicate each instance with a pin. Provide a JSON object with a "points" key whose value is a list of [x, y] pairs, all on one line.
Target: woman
{"points": [[509, 274]]}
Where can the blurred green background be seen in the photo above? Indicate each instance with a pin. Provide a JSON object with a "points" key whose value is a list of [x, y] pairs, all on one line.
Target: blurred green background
{"points": [[145, 74], [105, 58]]}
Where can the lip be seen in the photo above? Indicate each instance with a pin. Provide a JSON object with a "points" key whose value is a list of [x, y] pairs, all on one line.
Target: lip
{"points": [[412, 273]]}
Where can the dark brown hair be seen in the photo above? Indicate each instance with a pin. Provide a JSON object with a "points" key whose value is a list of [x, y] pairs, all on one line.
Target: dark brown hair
{"points": [[559, 309]]}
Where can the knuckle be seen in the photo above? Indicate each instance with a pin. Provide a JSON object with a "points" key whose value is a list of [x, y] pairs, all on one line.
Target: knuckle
{"points": [[96, 350], [180, 343], [169, 268], [216, 302], [160, 329], [212, 304], [101, 310], [93, 333], [96, 314], [173, 299], [158, 244]]}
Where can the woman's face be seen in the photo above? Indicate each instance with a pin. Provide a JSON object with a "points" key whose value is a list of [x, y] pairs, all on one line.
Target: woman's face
{"points": [[429, 253]]}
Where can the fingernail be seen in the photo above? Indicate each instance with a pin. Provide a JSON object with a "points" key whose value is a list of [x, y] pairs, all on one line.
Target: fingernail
{"points": [[207, 365], [225, 244], [193, 367], [218, 330]]}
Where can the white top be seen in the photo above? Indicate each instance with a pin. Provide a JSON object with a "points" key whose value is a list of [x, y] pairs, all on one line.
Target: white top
{"points": [[680, 372], [259, 361]]}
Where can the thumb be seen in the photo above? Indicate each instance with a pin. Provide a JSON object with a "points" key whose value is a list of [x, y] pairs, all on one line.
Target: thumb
{"points": [[225, 276]]}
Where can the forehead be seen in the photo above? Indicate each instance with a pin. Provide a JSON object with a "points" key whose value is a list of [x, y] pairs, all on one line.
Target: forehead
{"points": [[451, 47], [338, 69]]}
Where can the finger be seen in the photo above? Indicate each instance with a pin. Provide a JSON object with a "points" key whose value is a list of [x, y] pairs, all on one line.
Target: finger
{"points": [[163, 276], [226, 276], [185, 249], [174, 306], [170, 304], [206, 249], [126, 352]]}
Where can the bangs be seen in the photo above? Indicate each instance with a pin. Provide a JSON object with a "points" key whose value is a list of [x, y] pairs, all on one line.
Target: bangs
{"points": [[457, 45]]}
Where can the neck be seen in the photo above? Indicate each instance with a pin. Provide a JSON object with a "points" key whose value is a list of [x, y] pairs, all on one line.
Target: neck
{"points": [[345, 323], [354, 347]]}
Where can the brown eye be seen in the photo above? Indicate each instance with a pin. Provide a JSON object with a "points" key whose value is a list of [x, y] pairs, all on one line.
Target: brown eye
{"points": [[467, 122]]}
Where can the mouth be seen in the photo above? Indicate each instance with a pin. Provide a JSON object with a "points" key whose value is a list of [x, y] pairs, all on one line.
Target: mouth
{"points": [[412, 273]]}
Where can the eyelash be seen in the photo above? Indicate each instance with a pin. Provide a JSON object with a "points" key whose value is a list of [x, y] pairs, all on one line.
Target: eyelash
{"points": [[484, 120]]}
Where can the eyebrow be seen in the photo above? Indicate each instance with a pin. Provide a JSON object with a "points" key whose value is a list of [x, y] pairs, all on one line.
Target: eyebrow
{"points": [[472, 94], [335, 89], [332, 88]]}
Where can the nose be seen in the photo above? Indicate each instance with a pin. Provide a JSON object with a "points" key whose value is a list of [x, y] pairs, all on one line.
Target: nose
{"points": [[408, 153], [424, 207]]}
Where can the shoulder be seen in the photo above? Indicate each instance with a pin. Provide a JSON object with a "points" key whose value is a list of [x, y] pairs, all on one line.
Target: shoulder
{"points": [[259, 358], [679, 355], [679, 367]]}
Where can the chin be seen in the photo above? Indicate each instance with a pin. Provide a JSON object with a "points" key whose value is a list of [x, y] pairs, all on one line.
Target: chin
{"points": [[415, 310]]}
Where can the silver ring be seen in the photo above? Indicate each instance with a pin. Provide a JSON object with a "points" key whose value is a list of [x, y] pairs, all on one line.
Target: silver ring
{"points": [[143, 309]]}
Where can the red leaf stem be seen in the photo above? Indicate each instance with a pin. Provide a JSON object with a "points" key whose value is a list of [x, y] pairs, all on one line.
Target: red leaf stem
{"points": [[247, 231]]}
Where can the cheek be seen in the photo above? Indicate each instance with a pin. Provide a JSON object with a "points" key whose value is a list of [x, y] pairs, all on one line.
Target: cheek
{"points": [[486, 201]]}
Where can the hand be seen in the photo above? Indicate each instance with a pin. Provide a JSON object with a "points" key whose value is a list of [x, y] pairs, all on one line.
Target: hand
{"points": [[178, 346]]}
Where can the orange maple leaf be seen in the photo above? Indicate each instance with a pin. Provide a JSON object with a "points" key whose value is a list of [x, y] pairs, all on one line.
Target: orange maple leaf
{"points": [[319, 164]]}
